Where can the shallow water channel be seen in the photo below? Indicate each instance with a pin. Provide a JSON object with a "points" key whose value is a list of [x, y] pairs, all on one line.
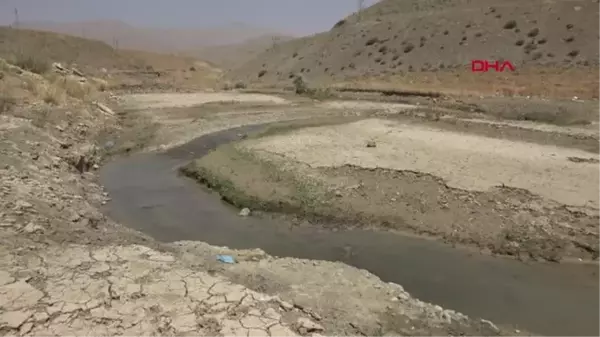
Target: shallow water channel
{"points": [[551, 299]]}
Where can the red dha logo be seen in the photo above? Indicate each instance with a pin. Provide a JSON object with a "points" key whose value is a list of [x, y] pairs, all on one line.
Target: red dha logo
{"points": [[484, 66]]}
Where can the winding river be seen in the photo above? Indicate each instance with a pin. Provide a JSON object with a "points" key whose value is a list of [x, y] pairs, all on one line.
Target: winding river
{"points": [[149, 195]]}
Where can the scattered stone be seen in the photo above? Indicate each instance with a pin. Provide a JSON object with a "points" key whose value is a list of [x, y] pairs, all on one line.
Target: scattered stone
{"points": [[245, 212], [58, 66], [104, 108], [32, 228], [371, 143], [306, 326], [77, 72], [285, 305]]}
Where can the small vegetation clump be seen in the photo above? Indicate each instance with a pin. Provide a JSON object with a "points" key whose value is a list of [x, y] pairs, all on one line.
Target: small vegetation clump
{"points": [[534, 32], [7, 102], [511, 24], [32, 64], [372, 41]]}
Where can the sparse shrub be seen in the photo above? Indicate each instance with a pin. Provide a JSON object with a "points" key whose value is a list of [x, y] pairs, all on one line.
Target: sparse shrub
{"points": [[383, 49], [395, 57], [569, 26], [262, 73], [542, 41], [468, 25], [464, 38], [378, 59], [569, 39], [530, 47], [536, 56], [372, 41], [240, 85], [32, 63], [511, 24], [339, 23], [53, 95], [7, 102], [478, 34], [41, 116], [573, 53], [352, 65], [550, 55], [300, 86], [534, 32], [408, 48], [517, 30], [520, 42], [294, 55], [498, 16], [192, 68], [446, 32]]}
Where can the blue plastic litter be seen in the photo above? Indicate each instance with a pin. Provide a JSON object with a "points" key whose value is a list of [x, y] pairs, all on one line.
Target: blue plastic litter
{"points": [[226, 259]]}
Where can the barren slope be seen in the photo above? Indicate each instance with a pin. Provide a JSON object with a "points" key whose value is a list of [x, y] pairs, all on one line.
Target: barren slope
{"points": [[556, 40], [127, 67]]}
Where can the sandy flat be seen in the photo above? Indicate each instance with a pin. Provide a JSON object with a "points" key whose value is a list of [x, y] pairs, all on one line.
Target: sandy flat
{"points": [[465, 161]]}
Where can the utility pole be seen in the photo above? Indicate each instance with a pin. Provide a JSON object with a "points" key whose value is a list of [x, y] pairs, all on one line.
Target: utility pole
{"points": [[361, 5], [16, 18]]}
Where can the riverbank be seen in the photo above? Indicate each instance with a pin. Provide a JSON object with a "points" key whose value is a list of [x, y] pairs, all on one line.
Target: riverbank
{"points": [[529, 202]]}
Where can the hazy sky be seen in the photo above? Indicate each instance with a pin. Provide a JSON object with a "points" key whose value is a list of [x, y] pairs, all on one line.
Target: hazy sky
{"points": [[289, 16]]}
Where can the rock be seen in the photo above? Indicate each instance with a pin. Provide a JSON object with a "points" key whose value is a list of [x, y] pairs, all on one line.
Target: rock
{"points": [[33, 228], [305, 325], [245, 212], [22, 204], [371, 143], [285, 305], [104, 108], [58, 66], [109, 144], [77, 72]]}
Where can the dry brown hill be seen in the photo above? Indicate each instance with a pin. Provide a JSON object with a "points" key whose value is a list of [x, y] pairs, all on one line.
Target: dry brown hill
{"points": [[430, 44], [136, 68], [234, 55]]}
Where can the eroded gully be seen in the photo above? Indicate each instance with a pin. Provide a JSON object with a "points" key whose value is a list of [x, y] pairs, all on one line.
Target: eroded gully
{"points": [[149, 195]]}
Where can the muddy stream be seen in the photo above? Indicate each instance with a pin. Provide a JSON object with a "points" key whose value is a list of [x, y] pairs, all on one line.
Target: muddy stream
{"points": [[149, 195]]}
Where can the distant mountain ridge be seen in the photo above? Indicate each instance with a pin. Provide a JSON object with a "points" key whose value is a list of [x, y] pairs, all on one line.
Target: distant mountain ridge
{"points": [[124, 35]]}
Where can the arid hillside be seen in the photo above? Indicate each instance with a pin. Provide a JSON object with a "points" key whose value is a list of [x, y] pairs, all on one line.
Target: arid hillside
{"points": [[430, 44], [38, 49]]}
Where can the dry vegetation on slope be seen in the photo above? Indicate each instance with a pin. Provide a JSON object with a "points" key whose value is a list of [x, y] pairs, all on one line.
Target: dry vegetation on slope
{"points": [[128, 68], [418, 44]]}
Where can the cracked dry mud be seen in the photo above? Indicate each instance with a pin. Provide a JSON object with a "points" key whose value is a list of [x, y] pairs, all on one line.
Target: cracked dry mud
{"points": [[130, 290]]}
